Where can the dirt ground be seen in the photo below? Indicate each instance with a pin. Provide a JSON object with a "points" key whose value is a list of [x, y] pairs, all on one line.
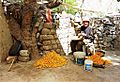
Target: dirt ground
{"points": [[25, 72]]}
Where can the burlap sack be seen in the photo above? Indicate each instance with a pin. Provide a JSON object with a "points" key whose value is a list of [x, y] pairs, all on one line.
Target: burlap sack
{"points": [[53, 42], [48, 25], [45, 31], [59, 46], [45, 52], [62, 53], [47, 47], [54, 26], [51, 37], [54, 46], [55, 36], [57, 41], [41, 37], [46, 37], [53, 31], [46, 43], [58, 51]]}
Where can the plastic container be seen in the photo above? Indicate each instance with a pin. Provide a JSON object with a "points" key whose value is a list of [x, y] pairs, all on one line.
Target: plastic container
{"points": [[80, 61], [24, 53], [88, 64], [79, 57]]}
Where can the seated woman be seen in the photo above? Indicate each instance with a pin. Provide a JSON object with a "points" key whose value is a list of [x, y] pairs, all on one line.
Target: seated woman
{"points": [[86, 33]]}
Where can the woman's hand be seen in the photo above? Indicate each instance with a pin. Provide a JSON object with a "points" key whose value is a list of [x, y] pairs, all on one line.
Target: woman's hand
{"points": [[83, 34]]}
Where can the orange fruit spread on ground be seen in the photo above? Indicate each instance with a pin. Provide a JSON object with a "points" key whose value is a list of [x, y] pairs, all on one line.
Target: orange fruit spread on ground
{"points": [[50, 60], [97, 59]]}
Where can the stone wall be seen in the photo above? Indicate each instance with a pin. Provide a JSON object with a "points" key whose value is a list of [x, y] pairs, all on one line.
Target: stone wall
{"points": [[118, 36], [108, 35]]}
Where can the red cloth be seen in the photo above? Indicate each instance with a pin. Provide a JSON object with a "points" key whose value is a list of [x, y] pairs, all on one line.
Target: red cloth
{"points": [[49, 16]]}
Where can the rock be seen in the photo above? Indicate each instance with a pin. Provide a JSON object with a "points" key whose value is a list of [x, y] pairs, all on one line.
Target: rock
{"points": [[37, 35], [95, 41], [101, 42], [37, 24], [118, 38], [41, 48], [39, 44], [41, 38]]}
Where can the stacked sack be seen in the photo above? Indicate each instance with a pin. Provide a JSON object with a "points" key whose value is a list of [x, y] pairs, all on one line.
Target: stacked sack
{"points": [[49, 39]]}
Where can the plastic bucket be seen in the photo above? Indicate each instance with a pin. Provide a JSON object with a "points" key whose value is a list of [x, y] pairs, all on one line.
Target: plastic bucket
{"points": [[79, 57], [88, 64], [80, 61]]}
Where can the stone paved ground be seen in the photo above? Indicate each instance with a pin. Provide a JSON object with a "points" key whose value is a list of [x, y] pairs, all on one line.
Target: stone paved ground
{"points": [[25, 72]]}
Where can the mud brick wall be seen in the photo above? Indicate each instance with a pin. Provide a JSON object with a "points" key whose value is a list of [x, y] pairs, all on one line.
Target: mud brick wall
{"points": [[5, 37]]}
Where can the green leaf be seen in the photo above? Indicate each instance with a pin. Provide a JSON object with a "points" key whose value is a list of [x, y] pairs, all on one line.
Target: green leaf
{"points": [[68, 9]]}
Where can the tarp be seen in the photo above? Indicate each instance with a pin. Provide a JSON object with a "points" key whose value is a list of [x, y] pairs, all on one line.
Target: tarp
{"points": [[104, 6], [65, 32]]}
